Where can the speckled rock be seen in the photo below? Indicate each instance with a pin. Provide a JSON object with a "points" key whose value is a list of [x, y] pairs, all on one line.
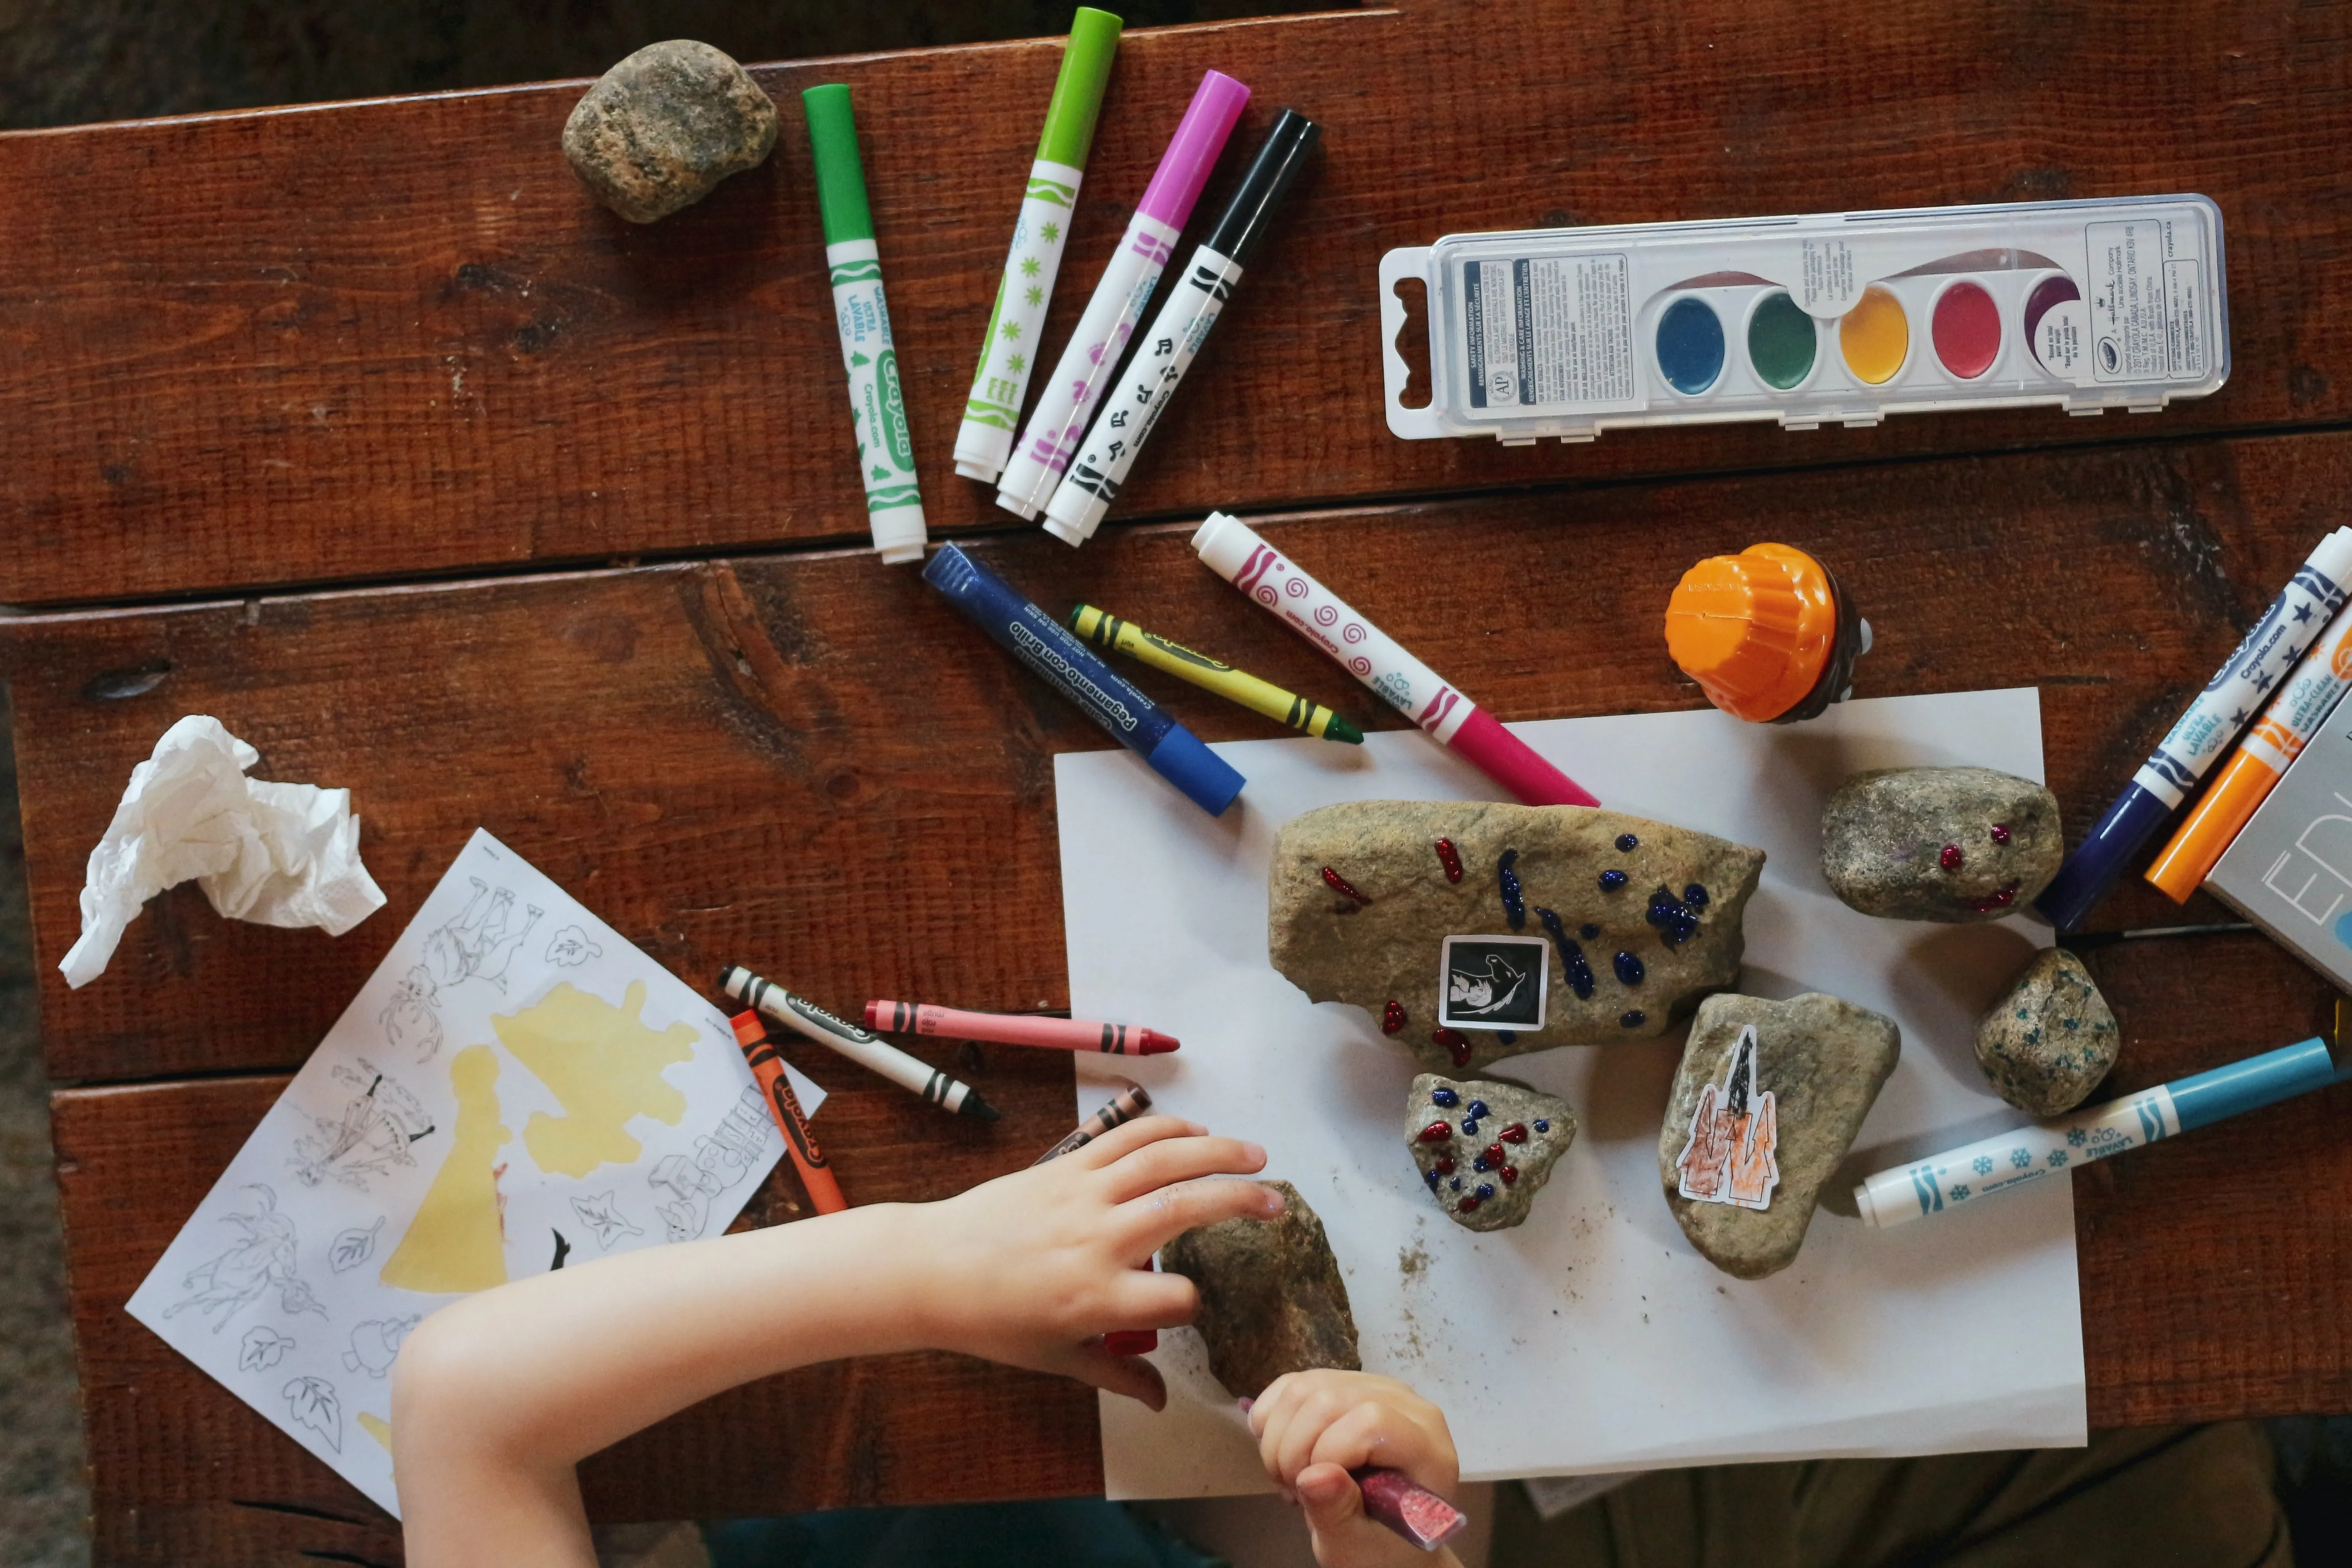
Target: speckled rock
{"points": [[1629, 947], [1774, 1120], [660, 129], [1940, 844], [2046, 1045], [1272, 1300], [1496, 1147]]}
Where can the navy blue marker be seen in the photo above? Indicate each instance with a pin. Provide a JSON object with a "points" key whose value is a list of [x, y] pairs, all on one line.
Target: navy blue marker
{"points": [[1067, 665]]}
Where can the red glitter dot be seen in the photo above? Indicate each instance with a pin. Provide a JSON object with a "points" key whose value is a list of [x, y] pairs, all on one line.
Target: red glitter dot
{"points": [[1494, 1152], [1338, 884], [1456, 1044], [1444, 1163], [1392, 1018], [1950, 860], [1467, 1205], [2000, 833], [1517, 1132], [1436, 1133], [1511, 1174], [1450, 859]]}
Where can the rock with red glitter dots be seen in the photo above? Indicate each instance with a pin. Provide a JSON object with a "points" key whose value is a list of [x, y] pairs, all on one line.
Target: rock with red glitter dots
{"points": [[1501, 1179], [1940, 844]]}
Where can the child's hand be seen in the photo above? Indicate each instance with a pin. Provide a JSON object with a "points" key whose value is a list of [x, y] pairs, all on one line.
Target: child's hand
{"points": [[1034, 1269], [1313, 1427]]}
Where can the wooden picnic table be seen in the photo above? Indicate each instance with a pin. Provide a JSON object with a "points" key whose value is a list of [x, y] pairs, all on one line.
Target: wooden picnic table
{"points": [[362, 427]]}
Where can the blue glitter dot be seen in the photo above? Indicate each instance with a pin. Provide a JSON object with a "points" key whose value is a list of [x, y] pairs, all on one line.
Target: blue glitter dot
{"points": [[1444, 1096], [1542, 1126], [1612, 880], [1694, 894], [1431, 1177], [1629, 968], [1477, 1109], [1507, 1037], [1457, 1183], [1470, 1127], [1588, 932], [1485, 1190], [1479, 1164], [1632, 1019], [1656, 916], [1627, 841]]}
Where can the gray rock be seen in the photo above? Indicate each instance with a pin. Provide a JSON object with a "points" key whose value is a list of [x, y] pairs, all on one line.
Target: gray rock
{"points": [[660, 129], [1821, 1061], [1940, 844], [1272, 1300], [1487, 1169], [1388, 950], [2046, 1045]]}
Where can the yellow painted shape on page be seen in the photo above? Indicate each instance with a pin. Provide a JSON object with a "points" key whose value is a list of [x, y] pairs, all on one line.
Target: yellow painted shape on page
{"points": [[377, 1428], [605, 1065], [457, 1240]]}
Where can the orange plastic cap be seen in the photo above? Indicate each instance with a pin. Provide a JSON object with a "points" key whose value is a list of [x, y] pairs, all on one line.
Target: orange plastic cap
{"points": [[1755, 629]]}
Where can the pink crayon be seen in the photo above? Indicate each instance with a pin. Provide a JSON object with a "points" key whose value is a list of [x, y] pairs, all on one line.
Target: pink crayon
{"points": [[1017, 1029], [1233, 549]]}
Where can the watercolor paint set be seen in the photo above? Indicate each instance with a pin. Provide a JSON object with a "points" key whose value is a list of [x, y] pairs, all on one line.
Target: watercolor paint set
{"points": [[1830, 318]]}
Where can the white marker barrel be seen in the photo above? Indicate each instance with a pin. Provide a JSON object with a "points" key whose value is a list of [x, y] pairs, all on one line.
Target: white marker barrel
{"points": [[2012, 1159], [991, 411], [877, 404]]}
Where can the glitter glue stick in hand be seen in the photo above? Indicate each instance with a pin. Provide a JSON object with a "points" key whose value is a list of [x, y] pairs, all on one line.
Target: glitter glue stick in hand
{"points": [[991, 412], [2278, 738], [1068, 399], [1234, 551], [784, 1106], [1177, 333], [2229, 702], [877, 404]]}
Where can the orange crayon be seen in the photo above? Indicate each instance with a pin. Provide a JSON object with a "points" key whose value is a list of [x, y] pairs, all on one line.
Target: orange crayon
{"points": [[816, 1176], [2304, 701]]}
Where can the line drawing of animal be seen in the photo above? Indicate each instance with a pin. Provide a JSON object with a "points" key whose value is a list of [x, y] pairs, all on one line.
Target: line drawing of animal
{"points": [[249, 1269], [379, 1124], [412, 1017], [1473, 995], [476, 943], [375, 1343]]}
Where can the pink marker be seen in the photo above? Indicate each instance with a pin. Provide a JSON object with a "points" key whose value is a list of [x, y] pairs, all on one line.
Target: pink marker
{"points": [[1017, 1029], [1233, 549], [1066, 402]]}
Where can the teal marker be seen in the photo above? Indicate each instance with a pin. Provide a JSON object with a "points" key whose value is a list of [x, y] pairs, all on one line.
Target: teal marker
{"points": [[991, 412], [877, 403]]}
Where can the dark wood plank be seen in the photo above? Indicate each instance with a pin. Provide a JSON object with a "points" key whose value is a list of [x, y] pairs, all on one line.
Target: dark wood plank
{"points": [[808, 756], [183, 1472], [391, 338]]}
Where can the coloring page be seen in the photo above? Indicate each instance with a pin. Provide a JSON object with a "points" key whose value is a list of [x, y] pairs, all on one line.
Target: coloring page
{"points": [[516, 1086]]}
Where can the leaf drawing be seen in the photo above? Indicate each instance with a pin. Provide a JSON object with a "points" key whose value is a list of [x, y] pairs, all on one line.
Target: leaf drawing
{"points": [[264, 1348], [354, 1248], [572, 948], [311, 1401], [606, 1222]]}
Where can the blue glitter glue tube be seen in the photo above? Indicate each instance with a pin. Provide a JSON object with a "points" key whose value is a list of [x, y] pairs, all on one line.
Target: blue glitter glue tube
{"points": [[1067, 665], [2204, 733]]}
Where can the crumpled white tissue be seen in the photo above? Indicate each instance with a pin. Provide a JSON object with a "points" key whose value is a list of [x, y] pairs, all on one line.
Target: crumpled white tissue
{"points": [[276, 854]]}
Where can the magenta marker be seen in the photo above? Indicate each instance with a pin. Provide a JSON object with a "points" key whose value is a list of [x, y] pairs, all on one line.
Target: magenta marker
{"points": [[1067, 400], [1231, 549]]}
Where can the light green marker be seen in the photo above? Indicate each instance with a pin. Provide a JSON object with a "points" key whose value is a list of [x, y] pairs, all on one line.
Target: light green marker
{"points": [[877, 404], [991, 414]]}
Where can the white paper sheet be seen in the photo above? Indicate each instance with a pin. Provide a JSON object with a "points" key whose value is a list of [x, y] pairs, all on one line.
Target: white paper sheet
{"points": [[1592, 1338], [277, 1285]]}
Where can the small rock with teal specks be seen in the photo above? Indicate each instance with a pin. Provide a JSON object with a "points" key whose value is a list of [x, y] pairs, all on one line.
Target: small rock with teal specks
{"points": [[1525, 1132], [2045, 1044]]}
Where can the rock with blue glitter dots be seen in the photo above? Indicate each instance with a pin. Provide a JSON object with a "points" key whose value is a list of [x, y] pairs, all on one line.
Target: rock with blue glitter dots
{"points": [[1532, 874], [2045, 1044], [1486, 1172]]}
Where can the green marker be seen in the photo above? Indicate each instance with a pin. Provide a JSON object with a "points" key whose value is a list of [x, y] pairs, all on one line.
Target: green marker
{"points": [[992, 413], [877, 404]]}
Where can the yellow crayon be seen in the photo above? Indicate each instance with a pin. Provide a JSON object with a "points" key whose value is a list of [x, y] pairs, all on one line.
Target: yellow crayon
{"points": [[1107, 630]]}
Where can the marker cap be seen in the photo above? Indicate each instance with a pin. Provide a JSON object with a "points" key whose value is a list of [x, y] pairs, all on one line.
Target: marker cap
{"points": [[1192, 152], [1206, 778], [1765, 633], [1279, 158], [840, 176], [2207, 1097], [1079, 91]]}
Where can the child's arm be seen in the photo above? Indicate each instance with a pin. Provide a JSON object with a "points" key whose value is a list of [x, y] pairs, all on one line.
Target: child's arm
{"points": [[495, 1398], [1313, 1427]]}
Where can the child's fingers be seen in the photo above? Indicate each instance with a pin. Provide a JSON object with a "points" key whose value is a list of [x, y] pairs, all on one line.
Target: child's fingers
{"points": [[1153, 1220], [1374, 1434], [1146, 1301], [1331, 1499], [1288, 1445], [1130, 1376], [1125, 1140], [1172, 1159]]}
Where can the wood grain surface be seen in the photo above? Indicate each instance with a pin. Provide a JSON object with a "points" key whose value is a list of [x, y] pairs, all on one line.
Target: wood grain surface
{"points": [[390, 339]]}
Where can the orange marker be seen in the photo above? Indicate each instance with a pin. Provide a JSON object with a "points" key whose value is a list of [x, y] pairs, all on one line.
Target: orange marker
{"points": [[824, 1192], [2302, 706], [1767, 633]]}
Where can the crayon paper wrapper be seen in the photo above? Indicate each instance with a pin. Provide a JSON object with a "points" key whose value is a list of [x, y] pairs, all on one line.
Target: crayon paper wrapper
{"points": [[1014, 327], [2237, 693], [515, 1086], [877, 403], [1167, 353]]}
